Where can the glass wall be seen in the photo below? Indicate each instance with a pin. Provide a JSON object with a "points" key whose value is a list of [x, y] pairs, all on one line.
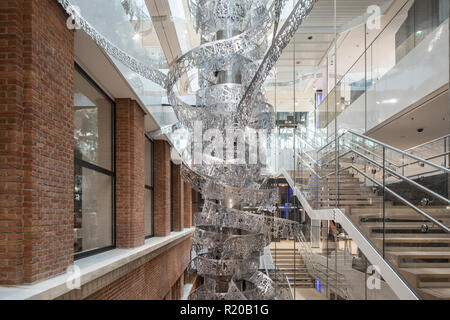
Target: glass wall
{"points": [[149, 196], [363, 73], [378, 71], [94, 166]]}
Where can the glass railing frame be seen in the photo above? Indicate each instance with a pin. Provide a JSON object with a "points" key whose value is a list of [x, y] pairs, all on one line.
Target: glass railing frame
{"points": [[385, 169]]}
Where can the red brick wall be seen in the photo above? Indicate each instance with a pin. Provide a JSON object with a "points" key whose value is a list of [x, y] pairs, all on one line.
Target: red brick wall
{"points": [[152, 280], [177, 198], [177, 288], [36, 153], [187, 198], [130, 176], [162, 188], [11, 141]]}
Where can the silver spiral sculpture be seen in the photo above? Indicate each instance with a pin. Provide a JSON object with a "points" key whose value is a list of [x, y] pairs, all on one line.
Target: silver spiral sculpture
{"points": [[240, 43]]}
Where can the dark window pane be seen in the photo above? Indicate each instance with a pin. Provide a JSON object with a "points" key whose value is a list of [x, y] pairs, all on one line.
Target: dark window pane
{"points": [[148, 163], [148, 213]]}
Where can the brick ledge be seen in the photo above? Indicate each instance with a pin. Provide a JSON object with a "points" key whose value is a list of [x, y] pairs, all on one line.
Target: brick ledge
{"points": [[95, 267]]}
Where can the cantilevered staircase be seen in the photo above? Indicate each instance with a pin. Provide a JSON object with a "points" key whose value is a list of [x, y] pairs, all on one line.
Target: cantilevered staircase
{"points": [[358, 175]]}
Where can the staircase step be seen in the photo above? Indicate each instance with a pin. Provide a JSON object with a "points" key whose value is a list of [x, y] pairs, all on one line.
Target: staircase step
{"points": [[345, 196], [292, 268], [378, 218], [400, 227], [413, 243], [428, 272], [414, 240], [344, 202], [418, 259], [423, 258], [345, 191], [403, 211], [435, 293], [342, 188]]}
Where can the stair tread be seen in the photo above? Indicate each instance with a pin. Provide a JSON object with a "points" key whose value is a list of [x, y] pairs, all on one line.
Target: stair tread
{"points": [[419, 254], [411, 215], [440, 293], [399, 225], [342, 203], [427, 271], [412, 239], [444, 210], [346, 196]]}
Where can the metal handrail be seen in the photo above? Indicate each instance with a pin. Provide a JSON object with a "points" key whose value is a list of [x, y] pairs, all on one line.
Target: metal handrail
{"points": [[430, 158], [409, 204], [402, 177], [412, 182], [375, 154], [334, 159], [402, 152], [322, 269], [429, 142], [305, 153], [326, 145], [318, 270], [314, 171], [418, 159]]}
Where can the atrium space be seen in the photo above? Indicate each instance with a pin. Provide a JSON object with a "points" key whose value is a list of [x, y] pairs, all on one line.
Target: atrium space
{"points": [[244, 150]]}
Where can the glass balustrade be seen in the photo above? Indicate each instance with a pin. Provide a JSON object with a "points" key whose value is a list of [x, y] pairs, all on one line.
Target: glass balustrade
{"points": [[404, 217], [380, 82], [397, 200]]}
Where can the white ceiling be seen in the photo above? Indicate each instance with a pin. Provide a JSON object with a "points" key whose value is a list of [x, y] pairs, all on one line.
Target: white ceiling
{"points": [[432, 115]]}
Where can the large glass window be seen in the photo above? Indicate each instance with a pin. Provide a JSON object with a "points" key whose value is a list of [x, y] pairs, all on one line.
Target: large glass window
{"points": [[94, 174], [148, 206]]}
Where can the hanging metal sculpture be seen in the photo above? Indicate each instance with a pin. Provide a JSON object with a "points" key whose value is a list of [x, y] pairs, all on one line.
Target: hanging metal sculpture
{"points": [[240, 44], [232, 62]]}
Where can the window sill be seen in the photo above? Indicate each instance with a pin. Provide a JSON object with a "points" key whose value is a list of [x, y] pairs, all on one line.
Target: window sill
{"points": [[92, 268]]}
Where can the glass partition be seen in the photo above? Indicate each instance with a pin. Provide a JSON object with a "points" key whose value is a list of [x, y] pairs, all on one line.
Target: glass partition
{"points": [[395, 199], [377, 82]]}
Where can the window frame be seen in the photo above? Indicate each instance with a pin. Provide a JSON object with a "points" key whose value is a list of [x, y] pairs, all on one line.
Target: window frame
{"points": [[151, 188], [96, 168]]}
